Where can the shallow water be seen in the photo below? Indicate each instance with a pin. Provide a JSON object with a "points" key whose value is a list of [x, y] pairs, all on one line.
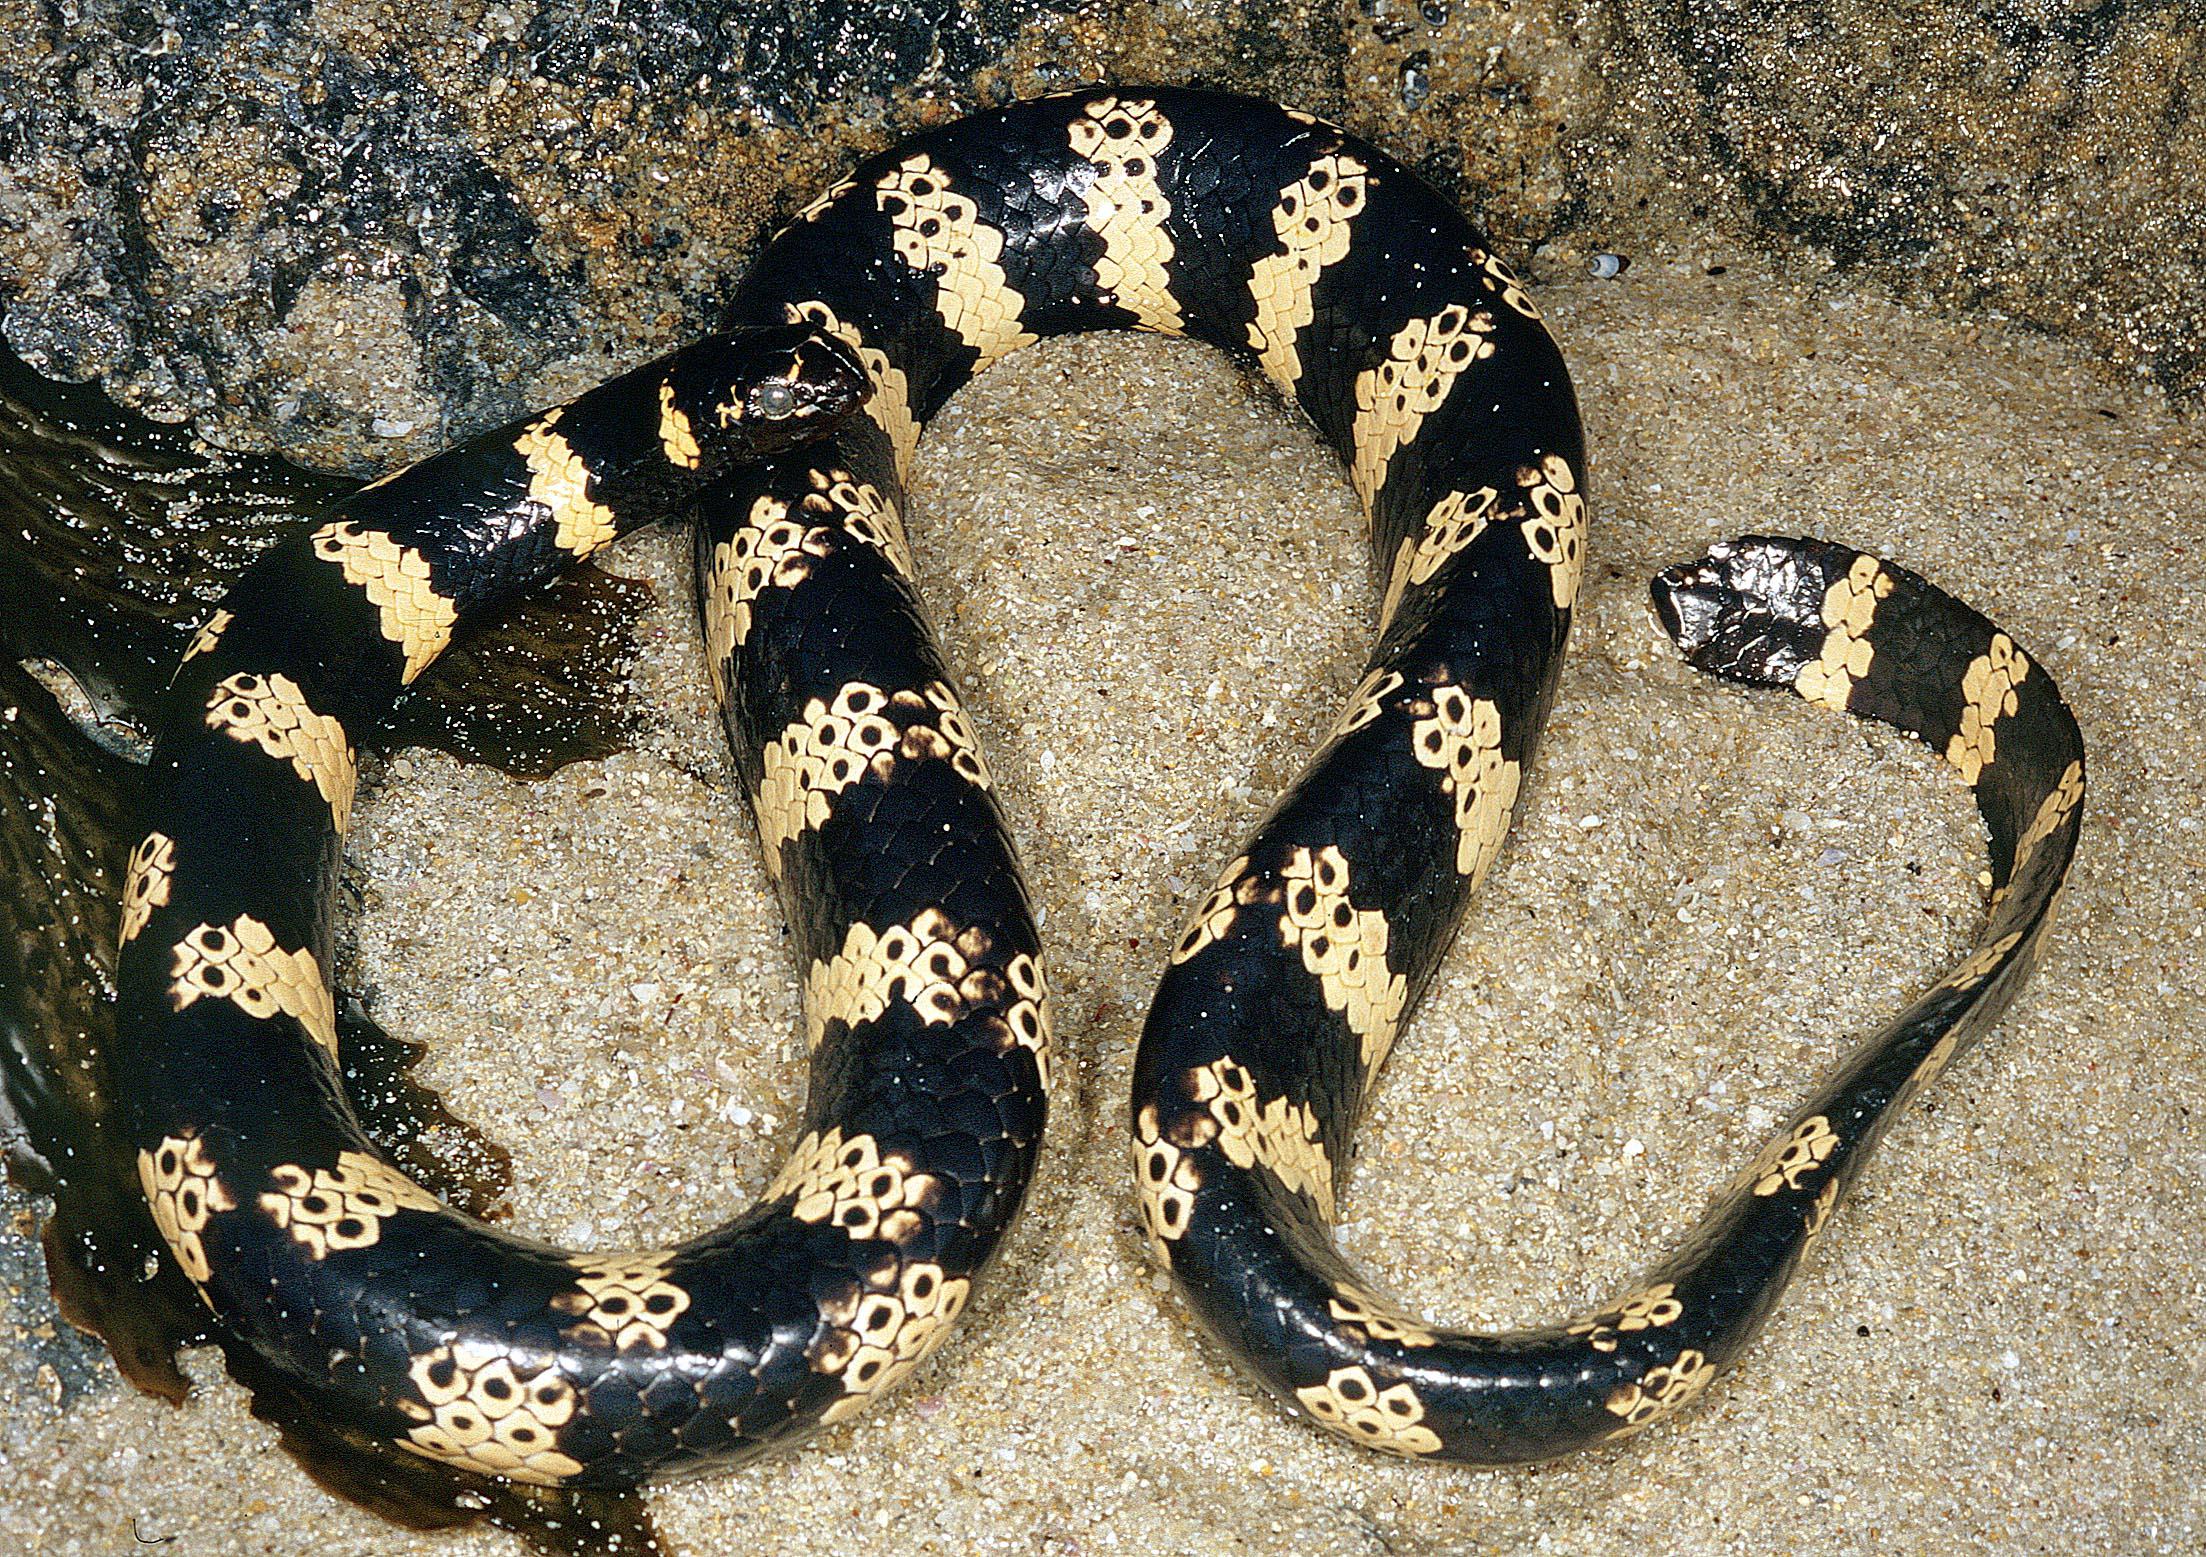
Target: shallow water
{"points": [[1154, 590]]}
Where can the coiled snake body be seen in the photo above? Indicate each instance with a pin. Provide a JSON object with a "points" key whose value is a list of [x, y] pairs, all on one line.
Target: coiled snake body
{"points": [[1366, 299]]}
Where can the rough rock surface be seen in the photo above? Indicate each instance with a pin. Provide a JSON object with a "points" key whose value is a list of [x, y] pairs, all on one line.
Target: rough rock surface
{"points": [[355, 234]]}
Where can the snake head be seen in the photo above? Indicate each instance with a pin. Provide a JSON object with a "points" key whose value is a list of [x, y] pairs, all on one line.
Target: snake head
{"points": [[757, 390]]}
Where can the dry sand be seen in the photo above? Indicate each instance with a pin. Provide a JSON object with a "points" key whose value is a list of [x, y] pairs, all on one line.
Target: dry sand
{"points": [[1154, 591]]}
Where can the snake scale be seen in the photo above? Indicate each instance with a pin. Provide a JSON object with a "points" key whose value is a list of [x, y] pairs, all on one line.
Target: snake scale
{"points": [[1372, 306]]}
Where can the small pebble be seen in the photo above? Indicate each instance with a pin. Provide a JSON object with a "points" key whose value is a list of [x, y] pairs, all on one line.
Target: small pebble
{"points": [[1416, 80]]}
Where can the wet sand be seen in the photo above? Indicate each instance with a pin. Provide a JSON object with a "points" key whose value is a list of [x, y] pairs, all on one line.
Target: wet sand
{"points": [[1155, 592]]}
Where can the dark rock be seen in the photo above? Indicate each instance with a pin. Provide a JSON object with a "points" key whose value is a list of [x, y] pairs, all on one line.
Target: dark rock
{"points": [[2044, 161], [318, 229]]}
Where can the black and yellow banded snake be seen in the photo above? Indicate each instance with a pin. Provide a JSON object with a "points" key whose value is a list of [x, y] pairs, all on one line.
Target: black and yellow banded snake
{"points": [[1367, 300]]}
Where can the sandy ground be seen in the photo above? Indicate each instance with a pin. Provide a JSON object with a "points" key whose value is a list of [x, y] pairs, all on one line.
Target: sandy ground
{"points": [[1154, 591]]}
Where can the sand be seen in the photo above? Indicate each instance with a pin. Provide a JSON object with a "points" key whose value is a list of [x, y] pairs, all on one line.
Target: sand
{"points": [[1154, 591]]}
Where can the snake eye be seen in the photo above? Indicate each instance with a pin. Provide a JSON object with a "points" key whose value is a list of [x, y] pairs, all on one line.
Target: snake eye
{"points": [[774, 398]]}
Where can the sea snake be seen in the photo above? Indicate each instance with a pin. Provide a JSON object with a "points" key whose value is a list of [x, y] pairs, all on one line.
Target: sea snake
{"points": [[1372, 306]]}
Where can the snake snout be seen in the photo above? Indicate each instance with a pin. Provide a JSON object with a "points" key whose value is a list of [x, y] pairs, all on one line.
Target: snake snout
{"points": [[829, 379], [790, 385], [759, 390]]}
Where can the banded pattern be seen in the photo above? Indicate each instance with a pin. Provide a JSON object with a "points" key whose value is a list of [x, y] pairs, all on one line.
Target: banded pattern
{"points": [[1454, 522], [890, 405], [184, 1192], [1236, 1230], [146, 882], [1394, 396], [486, 1408], [938, 231], [863, 731], [562, 485], [396, 578], [272, 713], [1366, 299], [625, 1300], [1127, 209], [1314, 222], [240, 962], [342, 1207]]}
